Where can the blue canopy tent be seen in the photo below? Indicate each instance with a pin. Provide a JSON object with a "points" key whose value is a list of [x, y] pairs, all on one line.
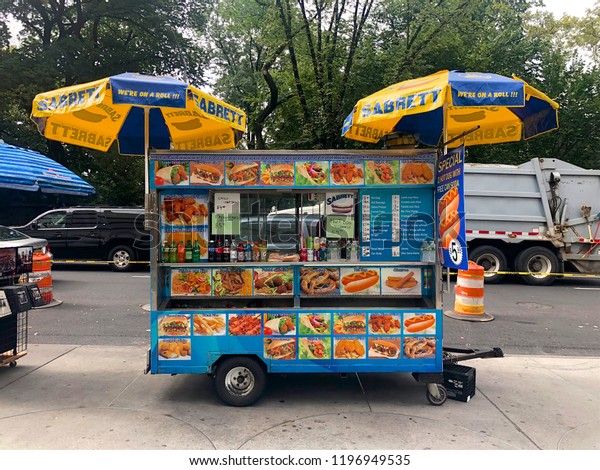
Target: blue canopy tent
{"points": [[26, 170]]}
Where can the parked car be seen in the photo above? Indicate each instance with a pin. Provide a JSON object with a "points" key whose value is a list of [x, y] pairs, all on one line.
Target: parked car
{"points": [[16, 251], [114, 234]]}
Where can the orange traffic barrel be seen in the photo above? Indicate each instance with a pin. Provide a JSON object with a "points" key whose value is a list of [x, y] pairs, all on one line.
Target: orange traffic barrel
{"points": [[469, 294], [42, 276]]}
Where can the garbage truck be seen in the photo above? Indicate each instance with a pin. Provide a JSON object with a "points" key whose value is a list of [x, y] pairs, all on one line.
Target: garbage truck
{"points": [[540, 219]]}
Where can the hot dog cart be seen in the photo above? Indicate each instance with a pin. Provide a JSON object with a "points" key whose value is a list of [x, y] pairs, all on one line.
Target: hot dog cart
{"points": [[295, 261]]}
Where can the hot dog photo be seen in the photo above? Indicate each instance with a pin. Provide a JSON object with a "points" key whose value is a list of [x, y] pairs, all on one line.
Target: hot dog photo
{"points": [[449, 219], [355, 281], [380, 348], [242, 174], [280, 348], [400, 281], [207, 174], [417, 323]]}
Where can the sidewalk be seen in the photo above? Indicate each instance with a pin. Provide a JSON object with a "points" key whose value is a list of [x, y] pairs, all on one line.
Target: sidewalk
{"points": [[92, 397]]}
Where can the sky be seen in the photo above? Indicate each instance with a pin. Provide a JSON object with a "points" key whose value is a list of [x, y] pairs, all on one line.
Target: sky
{"points": [[571, 7]]}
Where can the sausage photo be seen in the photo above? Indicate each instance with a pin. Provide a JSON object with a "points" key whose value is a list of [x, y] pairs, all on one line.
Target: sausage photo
{"points": [[360, 281], [418, 323]]}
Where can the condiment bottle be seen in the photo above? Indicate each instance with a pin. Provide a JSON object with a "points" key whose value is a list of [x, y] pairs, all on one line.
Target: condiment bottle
{"points": [[180, 253]]}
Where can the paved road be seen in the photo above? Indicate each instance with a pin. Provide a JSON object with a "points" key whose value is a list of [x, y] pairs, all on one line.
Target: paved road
{"points": [[101, 307]]}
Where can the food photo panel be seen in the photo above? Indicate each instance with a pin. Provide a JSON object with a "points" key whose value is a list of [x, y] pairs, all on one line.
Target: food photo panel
{"points": [[419, 323], [312, 173], [171, 173], [314, 348], [349, 348], [207, 174], [174, 349], [319, 281], [347, 173], [278, 349], [209, 324], [360, 281], [382, 172], [314, 324], [242, 173], [401, 281], [384, 324], [384, 348], [279, 324]]}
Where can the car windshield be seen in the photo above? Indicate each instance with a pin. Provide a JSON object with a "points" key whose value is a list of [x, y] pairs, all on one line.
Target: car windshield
{"points": [[7, 234]]}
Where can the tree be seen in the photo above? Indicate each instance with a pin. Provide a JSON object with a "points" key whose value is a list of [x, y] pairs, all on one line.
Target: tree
{"points": [[64, 42]]}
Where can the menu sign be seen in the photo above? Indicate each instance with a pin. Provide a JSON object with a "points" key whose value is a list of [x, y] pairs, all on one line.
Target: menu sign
{"points": [[394, 223], [416, 222], [380, 225], [226, 217], [339, 210]]}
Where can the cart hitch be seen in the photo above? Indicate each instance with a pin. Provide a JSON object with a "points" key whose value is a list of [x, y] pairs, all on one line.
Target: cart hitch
{"points": [[450, 354]]}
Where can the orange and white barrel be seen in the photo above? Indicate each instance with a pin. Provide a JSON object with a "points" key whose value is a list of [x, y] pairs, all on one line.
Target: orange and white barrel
{"points": [[469, 295], [42, 275], [469, 291]]}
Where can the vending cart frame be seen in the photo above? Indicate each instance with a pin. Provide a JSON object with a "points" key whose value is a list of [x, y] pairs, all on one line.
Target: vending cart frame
{"points": [[285, 312]]}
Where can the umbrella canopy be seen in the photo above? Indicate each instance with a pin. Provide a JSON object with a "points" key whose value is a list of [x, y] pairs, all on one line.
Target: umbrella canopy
{"points": [[494, 108], [96, 114], [27, 170]]}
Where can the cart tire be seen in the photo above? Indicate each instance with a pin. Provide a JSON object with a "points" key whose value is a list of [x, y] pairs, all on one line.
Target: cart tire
{"points": [[492, 260], [240, 381], [13, 364], [438, 401]]}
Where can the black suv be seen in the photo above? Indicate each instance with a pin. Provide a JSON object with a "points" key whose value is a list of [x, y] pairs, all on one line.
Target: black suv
{"points": [[114, 234]]}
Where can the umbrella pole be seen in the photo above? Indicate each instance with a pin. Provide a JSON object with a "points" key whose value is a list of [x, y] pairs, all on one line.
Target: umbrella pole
{"points": [[146, 150]]}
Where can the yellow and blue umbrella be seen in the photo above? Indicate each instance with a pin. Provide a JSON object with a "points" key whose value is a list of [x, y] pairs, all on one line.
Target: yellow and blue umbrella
{"points": [[138, 112], [485, 108], [26, 170]]}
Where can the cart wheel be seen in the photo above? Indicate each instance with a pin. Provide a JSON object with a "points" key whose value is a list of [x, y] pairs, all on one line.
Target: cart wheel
{"points": [[240, 381], [438, 395], [13, 364]]}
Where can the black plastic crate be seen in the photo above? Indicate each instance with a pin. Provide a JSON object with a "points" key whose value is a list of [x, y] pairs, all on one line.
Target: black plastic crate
{"points": [[18, 298], [459, 382]]}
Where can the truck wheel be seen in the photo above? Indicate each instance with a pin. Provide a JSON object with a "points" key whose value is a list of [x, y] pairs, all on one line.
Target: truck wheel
{"points": [[491, 259], [540, 262], [121, 257], [240, 381]]}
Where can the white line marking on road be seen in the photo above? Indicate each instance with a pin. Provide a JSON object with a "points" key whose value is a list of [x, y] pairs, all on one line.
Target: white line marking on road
{"points": [[587, 288], [140, 276]]}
